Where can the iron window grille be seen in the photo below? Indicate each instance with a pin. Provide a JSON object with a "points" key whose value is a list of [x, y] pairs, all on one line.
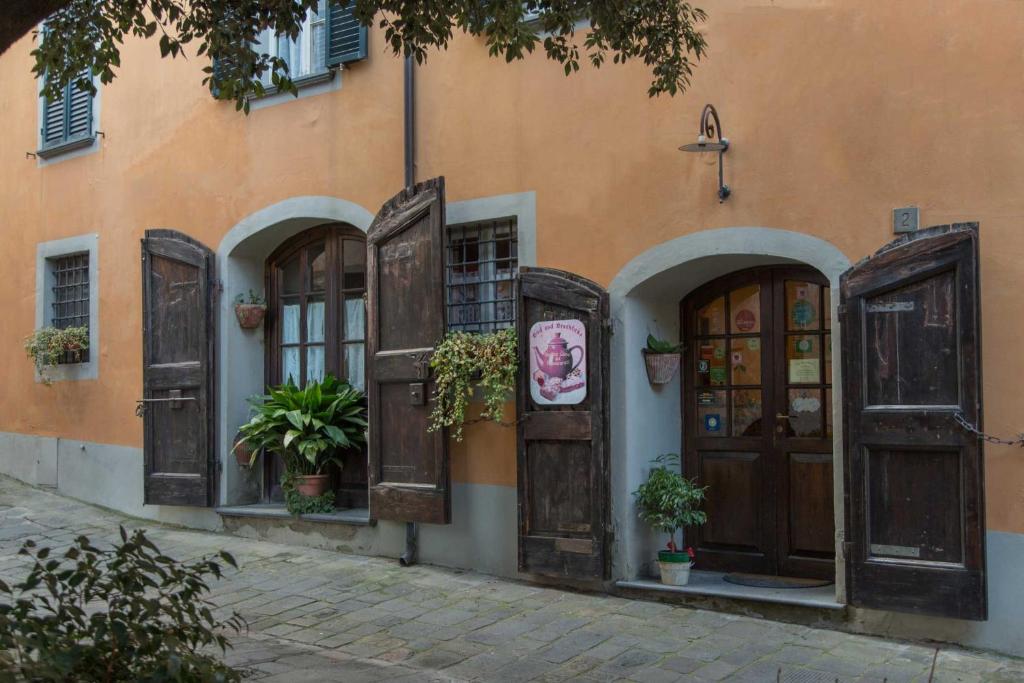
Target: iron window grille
{"points": [[71, 297], [481, 267]]}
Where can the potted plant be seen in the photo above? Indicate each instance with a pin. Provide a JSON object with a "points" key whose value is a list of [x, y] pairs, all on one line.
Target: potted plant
{"points": [[250, 310], [50, 346], [245, 454], [662, 359], [307, 428], [668, 501]]}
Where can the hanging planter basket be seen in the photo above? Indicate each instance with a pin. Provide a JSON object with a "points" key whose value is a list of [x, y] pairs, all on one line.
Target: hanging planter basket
{"points": [[250, 316], [243, 452], [661, 367]]}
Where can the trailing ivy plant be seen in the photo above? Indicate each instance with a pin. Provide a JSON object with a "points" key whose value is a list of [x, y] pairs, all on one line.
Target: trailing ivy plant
{"points": [[298, 504], [463, 361], [47, 347], [123, 613], [668, 500]]}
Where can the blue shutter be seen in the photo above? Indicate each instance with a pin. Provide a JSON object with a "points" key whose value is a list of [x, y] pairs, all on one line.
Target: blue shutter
{"points": [[346, 37], [79, 112], [53, 120]]}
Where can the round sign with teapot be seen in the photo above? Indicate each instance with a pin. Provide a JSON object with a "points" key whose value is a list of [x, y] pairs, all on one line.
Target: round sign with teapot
{"points": [[558, 362]]}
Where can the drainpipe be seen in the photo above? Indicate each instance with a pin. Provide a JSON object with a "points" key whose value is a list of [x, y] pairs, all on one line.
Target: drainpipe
{"points": [[412, 530]]}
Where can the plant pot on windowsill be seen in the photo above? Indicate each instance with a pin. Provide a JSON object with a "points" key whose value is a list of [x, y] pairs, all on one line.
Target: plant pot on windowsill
{"points": [[250, 316], [312, 485], [661, 367], [675, 567]]}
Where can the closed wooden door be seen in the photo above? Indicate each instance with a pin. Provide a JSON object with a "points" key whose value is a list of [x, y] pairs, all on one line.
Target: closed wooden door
{"points": [[757, 421]]}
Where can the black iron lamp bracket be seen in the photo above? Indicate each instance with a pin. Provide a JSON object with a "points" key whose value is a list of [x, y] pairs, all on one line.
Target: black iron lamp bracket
{"points": [[710, 139]]}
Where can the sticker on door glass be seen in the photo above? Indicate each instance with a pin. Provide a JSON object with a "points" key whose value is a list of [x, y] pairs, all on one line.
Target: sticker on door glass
{"points": [[712, 422], [558, 362]]}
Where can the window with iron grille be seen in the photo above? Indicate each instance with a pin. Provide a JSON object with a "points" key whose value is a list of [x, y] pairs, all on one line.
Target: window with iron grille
{"points": [[482, 263], [71, 296]]}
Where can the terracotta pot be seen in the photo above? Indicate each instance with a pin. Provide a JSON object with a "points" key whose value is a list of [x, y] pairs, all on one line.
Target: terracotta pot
{"points": [[250, 316], [243, 453], [661, 367], [311, 485]]}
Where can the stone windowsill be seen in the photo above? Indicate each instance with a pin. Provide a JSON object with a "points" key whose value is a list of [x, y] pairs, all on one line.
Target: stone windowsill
{"points": [[317, 78], [65, 147], [354, 517]]}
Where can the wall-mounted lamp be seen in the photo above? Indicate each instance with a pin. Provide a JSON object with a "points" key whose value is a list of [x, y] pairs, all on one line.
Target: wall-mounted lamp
{"points": [[706, 142]]}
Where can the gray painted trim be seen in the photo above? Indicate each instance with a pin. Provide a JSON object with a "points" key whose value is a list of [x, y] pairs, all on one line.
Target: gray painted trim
{"points": [[648, 290], [521, 205], [44, 298], [308, 86]]}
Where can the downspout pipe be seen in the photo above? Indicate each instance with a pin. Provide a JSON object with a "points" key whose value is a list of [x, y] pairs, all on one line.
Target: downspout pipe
{"points": [[412, 529]]}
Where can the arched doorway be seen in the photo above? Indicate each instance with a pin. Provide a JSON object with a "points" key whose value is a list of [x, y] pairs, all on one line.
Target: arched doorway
{"points": [[757, 420], [316, 325]]}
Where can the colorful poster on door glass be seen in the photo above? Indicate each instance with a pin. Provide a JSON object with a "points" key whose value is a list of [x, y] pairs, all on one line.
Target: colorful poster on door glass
{"points": [[558, 362]]}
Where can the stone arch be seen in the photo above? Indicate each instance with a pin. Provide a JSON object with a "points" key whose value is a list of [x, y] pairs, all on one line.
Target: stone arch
{"points": [[644, 297]]}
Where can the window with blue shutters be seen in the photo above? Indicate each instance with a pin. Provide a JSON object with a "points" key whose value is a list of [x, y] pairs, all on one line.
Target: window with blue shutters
{"points": [[67, 121]]}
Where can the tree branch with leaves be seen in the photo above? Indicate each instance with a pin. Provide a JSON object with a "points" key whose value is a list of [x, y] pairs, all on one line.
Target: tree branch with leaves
{"points": [[83, 38]]}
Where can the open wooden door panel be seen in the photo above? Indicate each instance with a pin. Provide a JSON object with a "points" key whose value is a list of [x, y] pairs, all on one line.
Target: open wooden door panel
{"points": [[914, 478], [563, 425], [178, 370], [408, 466]]}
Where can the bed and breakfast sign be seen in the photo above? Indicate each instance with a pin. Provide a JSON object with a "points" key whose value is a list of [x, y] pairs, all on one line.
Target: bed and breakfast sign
{"points": [[558, 362]]}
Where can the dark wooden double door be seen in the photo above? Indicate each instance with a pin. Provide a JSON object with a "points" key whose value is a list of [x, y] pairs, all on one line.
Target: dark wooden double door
{"points": [[757, 407]]}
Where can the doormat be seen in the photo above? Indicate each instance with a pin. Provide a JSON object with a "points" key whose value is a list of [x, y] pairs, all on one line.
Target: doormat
{"points": [[766, 581]]}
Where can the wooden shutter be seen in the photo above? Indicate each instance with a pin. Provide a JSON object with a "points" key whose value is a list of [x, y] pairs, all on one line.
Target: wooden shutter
{"points": [[914, 478], [563, 429], [178, 370], [67, 118], [346, 37], [54, 119], [409, 479]]}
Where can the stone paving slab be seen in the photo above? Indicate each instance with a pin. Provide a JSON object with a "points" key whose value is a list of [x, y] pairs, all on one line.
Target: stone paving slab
{"points": [[320, 616]]}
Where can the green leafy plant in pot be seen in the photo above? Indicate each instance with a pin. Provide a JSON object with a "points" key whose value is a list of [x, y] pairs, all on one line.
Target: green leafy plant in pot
{"points": [[308, 429], [669, 501], [662, 359]]}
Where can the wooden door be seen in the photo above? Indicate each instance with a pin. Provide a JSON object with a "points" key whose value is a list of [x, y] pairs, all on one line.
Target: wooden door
{"points": [[914, 478], [801, 418], [563, 425], [409, 477], [757, 431], [178, 369]]}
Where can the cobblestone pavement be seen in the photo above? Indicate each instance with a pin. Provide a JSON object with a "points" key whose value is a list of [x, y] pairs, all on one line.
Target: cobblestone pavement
{"points": [[321, 616]]}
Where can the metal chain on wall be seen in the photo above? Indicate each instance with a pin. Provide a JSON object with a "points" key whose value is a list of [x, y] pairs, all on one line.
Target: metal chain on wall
{"points": [[967, 426]]}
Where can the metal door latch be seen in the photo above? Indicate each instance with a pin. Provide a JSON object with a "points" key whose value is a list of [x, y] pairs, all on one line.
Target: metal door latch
{"points": [[174, 397]]}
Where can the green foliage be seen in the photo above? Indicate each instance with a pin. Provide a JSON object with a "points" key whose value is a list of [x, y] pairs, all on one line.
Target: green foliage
{"points": [[126, 613], [85, 36], [668, 500], [298, 504], [253, 299], [463, 360], [47, 346], [308, 427], [655, 345]]}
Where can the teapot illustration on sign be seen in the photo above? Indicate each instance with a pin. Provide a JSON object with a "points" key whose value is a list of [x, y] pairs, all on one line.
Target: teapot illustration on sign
{"points": [[557, 359]]}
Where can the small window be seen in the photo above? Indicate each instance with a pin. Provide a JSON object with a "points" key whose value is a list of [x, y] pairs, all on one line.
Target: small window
{"points": [[66, 121], [306, 55], [70, 278], [482, 264]]}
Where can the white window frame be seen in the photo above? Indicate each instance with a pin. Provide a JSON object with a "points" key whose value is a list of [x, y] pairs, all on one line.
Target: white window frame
{"points": [[270, 43], [46, 255]]}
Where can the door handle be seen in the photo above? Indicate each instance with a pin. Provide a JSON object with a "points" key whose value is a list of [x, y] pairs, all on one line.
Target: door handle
{"points": [[780, 416]]}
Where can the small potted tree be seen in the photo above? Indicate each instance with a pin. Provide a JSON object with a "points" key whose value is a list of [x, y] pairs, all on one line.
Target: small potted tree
{"points": [[669, 501], [250, 310], [308, 429], [662, 359]]}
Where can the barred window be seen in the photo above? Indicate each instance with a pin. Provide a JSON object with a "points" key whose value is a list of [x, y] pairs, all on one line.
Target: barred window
{"points": [[71, 296], [482, 263]]}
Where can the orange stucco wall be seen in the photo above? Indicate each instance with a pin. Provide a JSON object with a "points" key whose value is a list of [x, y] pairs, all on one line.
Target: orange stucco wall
{"points": [[838, 110]]}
